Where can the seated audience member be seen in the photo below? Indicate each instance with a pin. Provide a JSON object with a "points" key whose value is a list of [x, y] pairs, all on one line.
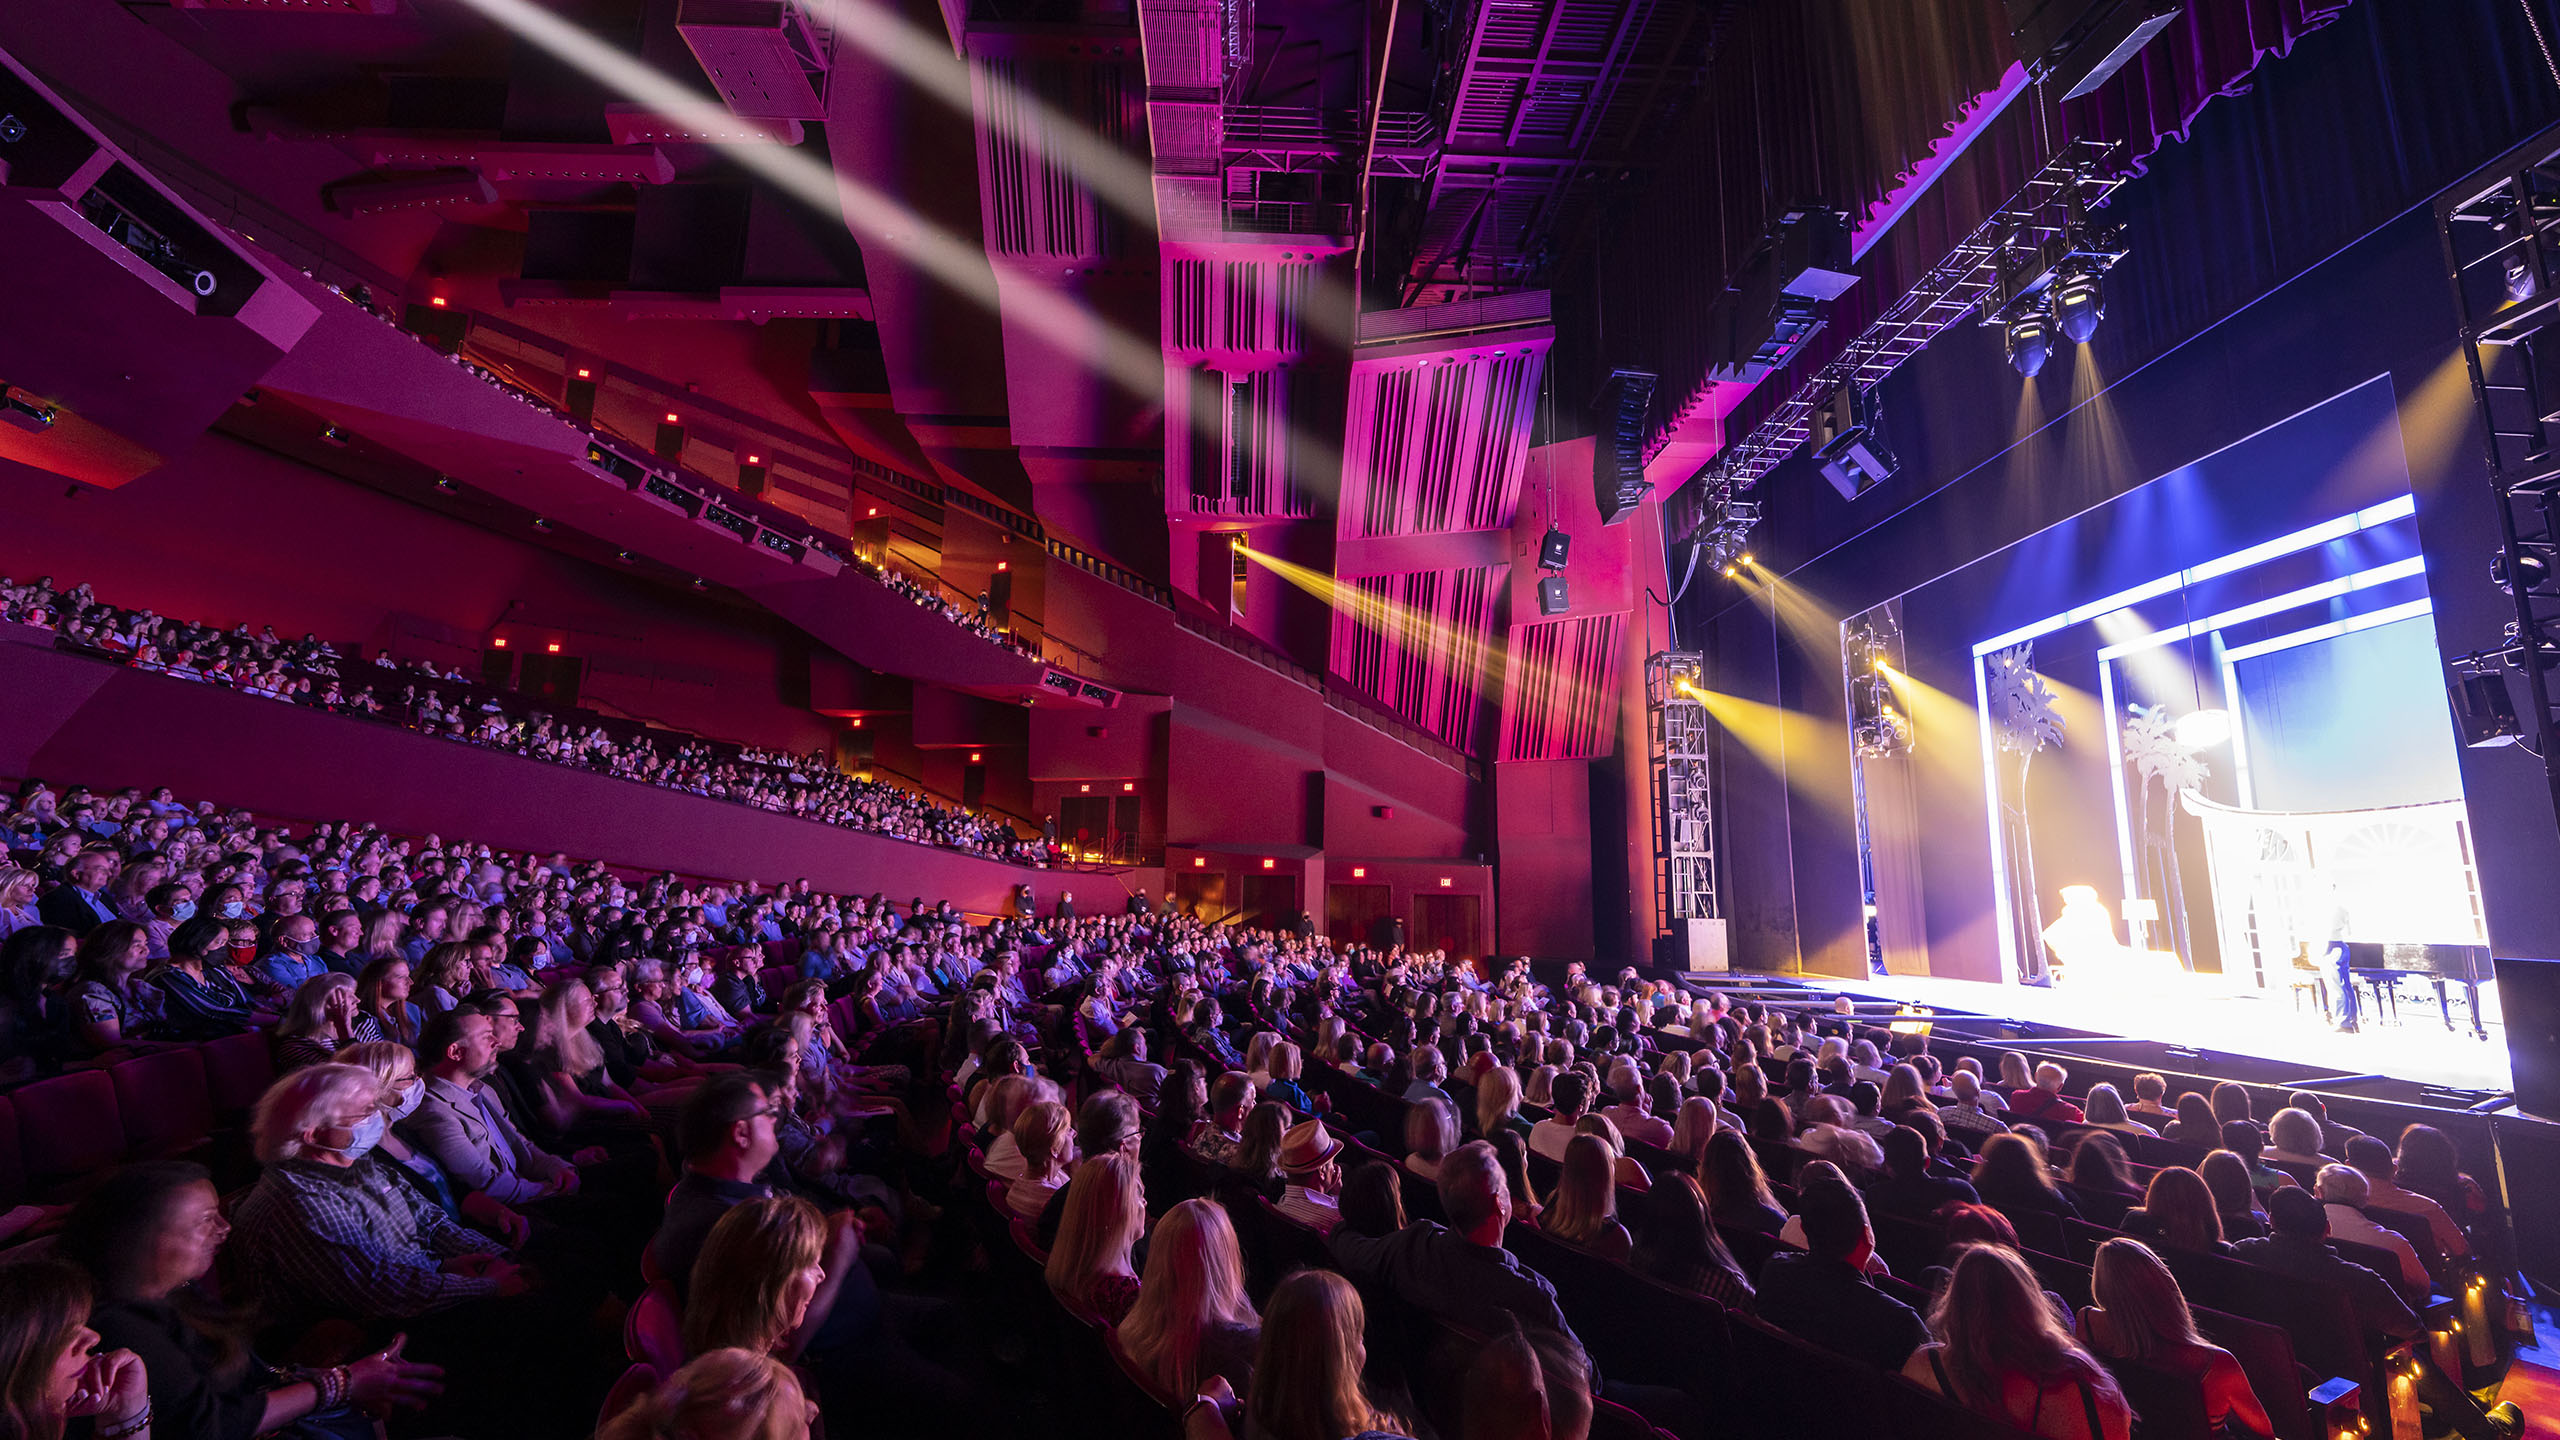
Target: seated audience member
{"points": [[1254, 1170], [1230, 1100], [1676, 1245], [2011, 1177], [2104, 1107], [1428, 1068], [2042, 1103], [1007, 1099], [403, 1091], [2427, 1164], [293, 957], [1738, 1193], [2001, 1352], [383, 1008], [144, 1238], [1191, 1319], [2372, 1158], [1048, 1151], [111, 1007], [2293, 1138], [2334, 1134], [53, 1373], [2194, 1124], [2344, 1194], [1092, 1265], [1165, 1154], [752, 1285], [2177, 1209], [79, 904], [2227, 1176], [2299, 1245], [1905, 1187], [1822, 1294], [723, 1395], [1633, 1111], [1630, 1171], [2231, 1102], [1124, 1063], [1373, 1200], [467, 1130], [199, 999], [1308, 1364], [1571, 1094], [1511, 1154], [1583, 1212], [1830, 1132], [2149, 1090], [1109, 1121], [1284, 1087], [2101, 1179], [1307, 1160], [1457, 1272], [2141, 1316], [1498, 1103], [320, 1022], [1697, 1120], [1969, 1112], [1430, 1133]]}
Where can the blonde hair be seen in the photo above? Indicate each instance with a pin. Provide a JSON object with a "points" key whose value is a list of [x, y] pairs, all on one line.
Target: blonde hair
{"points": [[1106, 1211], [1194, 1280], [723, 1395], [391, 1062], [1283, 1061], [1040, 1132], [1586, 1196], [1307, 1370], [1257, 1051], [1497, 1098], [301, 1099], [743, 1281], [308, 1012]]}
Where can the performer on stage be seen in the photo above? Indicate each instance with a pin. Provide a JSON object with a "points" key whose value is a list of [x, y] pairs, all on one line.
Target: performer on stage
{"points": [[2347, 1012]]}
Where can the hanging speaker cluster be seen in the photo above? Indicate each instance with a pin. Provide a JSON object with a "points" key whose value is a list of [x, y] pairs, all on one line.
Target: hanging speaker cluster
{"points": [[1617, 444]]}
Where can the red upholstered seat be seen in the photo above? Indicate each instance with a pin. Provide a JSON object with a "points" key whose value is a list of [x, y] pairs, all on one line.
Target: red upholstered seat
{"points": [[635, 1383], [654, 1332], [13, 1170], [164, 1100], [68, 1127], [237, 1070]]}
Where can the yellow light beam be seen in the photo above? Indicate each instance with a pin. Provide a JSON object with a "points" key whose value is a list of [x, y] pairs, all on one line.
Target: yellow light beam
{"points": [[1810, 754]]}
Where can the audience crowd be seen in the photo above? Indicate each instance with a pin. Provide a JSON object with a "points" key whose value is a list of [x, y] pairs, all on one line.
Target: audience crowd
{"points": [[549, 1142], [415, 693]]}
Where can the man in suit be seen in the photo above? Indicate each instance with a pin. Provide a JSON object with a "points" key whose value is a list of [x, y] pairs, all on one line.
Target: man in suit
{"points": [[81, 905], [463, 1126]]}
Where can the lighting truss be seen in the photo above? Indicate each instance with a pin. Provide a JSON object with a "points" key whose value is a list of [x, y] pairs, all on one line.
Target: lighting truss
{"points": [[2500, 229], [1684, 859], [1980, 274], [1725, 537]]}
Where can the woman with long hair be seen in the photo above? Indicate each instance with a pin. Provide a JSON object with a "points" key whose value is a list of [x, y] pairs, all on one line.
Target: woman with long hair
{"points": [[2104, 1107], [2101, 1181], [1092, 1268], [1511, 1152], [2010, 1176], [2227, 1176], [2195, 1124], [1584, 1210], [2427, 1164], [1498, 1102], [579, 1092], [111, 1006], [199, 998], [51, 1370], [2141, 1316], [1676, 1244], [2002, 1352], [383, 1008], [1309, 1365], [1191, 1319], [145, 1237], [1738, 1192], [444, 976], [1430, 1133], [2178, 1210], [1903, 1091], [722, 1395], [383, 936], [752, 1282], [1695, 1121], [319, 1023]]}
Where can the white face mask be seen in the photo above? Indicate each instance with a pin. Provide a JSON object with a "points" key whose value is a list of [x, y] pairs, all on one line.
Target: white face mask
{"points": [[409, 1100]]}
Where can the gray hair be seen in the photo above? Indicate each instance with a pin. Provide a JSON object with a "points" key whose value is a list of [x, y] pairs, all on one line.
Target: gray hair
{"points": [[303, 1100]]}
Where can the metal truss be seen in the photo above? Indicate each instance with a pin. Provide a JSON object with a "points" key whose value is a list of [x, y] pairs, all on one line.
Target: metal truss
{"points": [[1680, 750], [2071, 182]]}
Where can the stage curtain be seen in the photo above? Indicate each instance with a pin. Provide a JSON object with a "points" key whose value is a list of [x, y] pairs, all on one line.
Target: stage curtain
{"points": [[2210, 50]]}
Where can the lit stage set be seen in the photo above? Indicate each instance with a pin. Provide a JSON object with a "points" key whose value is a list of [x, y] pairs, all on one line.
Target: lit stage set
{"points": [[2182, 768]]}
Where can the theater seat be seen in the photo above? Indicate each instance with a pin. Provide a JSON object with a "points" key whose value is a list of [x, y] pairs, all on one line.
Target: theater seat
{"points": [[13, 1170], [237, 1070], [653, 1333], [164, 1100], [68, 1128]]}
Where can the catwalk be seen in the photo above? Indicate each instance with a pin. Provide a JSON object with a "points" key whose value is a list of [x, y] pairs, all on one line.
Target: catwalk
{"points": [[2198, 1012]]}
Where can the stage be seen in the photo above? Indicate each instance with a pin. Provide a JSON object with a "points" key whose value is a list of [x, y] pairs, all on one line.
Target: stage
{"points": [[2200, 1013]]}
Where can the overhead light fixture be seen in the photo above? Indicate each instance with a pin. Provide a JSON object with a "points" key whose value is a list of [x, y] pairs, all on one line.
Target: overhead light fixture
{"points": [[2483, 712], [2029, 341], [332, 435], [445, 482], [2531, 567], [701, 584], [541, 524], [2078, 304], [500, 643], [2520, 282], [622, 555]]}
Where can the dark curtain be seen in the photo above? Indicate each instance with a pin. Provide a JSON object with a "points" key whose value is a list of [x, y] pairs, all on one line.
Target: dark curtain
{"points": [[2210, 50]]}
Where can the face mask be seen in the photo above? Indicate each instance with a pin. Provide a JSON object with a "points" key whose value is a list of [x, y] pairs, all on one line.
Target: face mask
{"points": [[366, 1134], [184, 910], [232, 910], [409, 1100]]}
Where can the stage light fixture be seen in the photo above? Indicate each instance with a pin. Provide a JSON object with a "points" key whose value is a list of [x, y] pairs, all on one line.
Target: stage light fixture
{"points": [[2483, 712], [2078, 304], [541, 524], [2520, 282], [2532, 567], [2202, 729], [2029, 341]]}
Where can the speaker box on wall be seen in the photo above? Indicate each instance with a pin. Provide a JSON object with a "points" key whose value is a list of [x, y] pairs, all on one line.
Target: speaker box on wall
{"points": [[1552, 596], [2529, 998]]}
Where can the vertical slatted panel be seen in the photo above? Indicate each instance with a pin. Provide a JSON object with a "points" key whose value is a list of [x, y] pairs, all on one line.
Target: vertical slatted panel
{"points": [[1438, 447], [1561, 699], [1035, 204], [1424, 660]]}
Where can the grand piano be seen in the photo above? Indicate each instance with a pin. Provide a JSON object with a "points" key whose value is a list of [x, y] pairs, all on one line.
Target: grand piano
{"points": [[2384, 964]]}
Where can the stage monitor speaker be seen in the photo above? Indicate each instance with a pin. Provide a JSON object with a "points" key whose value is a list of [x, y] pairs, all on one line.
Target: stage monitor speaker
{"points": [[2529, 1000], [1554, 548], [1617, 444], [1696, 947], [1552, 599], [2483, 712]]}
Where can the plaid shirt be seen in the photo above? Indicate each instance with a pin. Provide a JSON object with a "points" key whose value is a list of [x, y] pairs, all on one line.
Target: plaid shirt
{"points": [[353, 1242]]}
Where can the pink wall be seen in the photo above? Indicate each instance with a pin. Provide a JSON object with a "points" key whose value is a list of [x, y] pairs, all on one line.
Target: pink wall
{"points": [[230, 533], [1545, 867], [75, 720]]}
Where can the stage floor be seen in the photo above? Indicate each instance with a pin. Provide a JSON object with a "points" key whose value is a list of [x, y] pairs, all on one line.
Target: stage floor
{"points": [[2200, 1013]]}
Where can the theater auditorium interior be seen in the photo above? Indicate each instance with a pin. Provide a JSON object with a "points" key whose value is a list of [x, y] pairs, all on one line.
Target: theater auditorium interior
{"points": [[1447, 719]]}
